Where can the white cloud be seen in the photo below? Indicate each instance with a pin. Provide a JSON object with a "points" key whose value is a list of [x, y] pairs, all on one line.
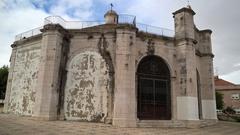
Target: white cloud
{"points": [[153, 12], [80, 9], [237, 65], [232, 77]]}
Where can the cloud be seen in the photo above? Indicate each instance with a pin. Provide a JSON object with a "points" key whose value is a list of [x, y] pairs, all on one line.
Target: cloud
{"points": [[233, 77], [153, 12], [237, 65], [80, 9]]}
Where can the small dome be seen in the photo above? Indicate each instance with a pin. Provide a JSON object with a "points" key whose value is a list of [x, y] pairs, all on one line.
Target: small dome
{"points": [[111, 12], [111, 17]]}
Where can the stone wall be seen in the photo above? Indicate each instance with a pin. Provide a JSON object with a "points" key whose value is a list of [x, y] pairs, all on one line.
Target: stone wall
{"points": [[87, 88], [25, 72]]}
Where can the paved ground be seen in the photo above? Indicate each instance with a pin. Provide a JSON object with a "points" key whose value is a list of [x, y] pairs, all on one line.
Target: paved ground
{"points": [[1, 109], [12, 125]]}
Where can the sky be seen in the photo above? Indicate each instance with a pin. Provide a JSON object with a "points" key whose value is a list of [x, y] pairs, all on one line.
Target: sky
{"points": [[221, 16]]}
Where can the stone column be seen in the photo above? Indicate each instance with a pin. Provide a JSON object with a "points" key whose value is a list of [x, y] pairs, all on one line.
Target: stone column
{"points": [[208, 89], [125, 93], [47, 89], [10, 77], [207, 78], [187, 100]]}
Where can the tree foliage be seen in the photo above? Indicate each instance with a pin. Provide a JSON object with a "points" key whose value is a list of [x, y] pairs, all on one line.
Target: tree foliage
{"points": [[3, 81], [219, 100]]}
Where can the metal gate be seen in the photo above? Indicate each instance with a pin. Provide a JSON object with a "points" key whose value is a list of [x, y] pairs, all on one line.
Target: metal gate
{"points": [[154, 101]]}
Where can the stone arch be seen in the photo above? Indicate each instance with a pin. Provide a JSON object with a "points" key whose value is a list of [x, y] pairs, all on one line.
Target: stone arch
{"points": [[154, 89], [165, 59], [88, 90]]}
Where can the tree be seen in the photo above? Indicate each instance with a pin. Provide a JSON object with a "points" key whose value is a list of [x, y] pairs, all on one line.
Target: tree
{"points": [[219, 100], [3, 81]]}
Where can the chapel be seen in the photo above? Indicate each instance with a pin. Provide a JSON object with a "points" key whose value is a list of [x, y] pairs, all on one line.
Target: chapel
{"points": [[119, 72]]}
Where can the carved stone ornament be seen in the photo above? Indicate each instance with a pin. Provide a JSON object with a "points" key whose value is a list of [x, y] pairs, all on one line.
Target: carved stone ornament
{"points": [[150, 47]]}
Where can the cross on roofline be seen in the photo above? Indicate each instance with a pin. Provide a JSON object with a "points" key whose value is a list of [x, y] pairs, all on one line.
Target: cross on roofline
{"points": [[111, 6], [188, 4]]}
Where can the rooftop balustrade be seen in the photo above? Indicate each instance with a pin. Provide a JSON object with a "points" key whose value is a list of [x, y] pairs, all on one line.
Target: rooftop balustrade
{"points": [[122, 19]]}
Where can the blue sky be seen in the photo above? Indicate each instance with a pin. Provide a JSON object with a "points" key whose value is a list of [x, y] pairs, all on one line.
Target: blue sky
{"points": [[221, 16]]}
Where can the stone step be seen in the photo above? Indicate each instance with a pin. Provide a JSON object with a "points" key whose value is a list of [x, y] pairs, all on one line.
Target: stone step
{"points": [[175, 123], [160, 123]]}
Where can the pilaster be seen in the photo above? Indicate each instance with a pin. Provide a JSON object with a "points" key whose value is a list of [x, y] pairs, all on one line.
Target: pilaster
{"points": [[125, 92], [49, 81], [187, 98]]}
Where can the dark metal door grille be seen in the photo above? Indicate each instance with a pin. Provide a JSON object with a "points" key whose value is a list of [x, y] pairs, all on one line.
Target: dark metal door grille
{"points": [[153, 90]]}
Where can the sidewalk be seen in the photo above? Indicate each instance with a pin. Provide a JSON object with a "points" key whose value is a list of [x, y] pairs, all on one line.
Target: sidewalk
{"points": [[13, 125]]}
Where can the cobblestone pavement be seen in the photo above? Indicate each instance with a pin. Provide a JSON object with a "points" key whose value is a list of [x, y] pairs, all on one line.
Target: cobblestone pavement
{"points": [[12, 125]]}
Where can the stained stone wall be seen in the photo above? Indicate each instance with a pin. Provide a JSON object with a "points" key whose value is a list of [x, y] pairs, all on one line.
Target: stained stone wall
{"points": [[22, 96], [87, 87]]}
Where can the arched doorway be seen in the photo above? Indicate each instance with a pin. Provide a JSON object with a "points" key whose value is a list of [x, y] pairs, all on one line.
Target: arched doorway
{"points": [[154, 96]]}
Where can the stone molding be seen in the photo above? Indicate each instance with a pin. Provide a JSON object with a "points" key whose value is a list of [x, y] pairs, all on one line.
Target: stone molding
{"points": [[184, 10], [198, 53], [194, 41], [25, 40], [57, 27]]}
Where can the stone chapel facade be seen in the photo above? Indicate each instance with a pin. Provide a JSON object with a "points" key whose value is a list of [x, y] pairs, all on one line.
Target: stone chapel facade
{"points": [[115, 73]]}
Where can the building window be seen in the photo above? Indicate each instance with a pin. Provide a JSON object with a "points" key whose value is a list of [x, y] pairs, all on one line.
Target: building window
{"points": [[235, 96]]}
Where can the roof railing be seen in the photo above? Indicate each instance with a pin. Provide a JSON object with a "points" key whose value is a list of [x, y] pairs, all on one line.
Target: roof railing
{"points": [[155, 30], [127, 19], [122, 19], [29, 33], [70, 24]]}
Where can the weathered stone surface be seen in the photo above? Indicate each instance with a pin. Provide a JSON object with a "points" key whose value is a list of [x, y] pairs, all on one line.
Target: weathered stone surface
{"points": [[22, 98], [86, 88]]}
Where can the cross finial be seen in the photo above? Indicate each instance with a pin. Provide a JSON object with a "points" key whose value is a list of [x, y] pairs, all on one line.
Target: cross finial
{"points": [[189, 6], [111, 6]]}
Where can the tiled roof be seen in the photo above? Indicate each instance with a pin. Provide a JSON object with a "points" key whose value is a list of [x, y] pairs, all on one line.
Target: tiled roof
{"points": [[223, 85], [221, 82]]}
